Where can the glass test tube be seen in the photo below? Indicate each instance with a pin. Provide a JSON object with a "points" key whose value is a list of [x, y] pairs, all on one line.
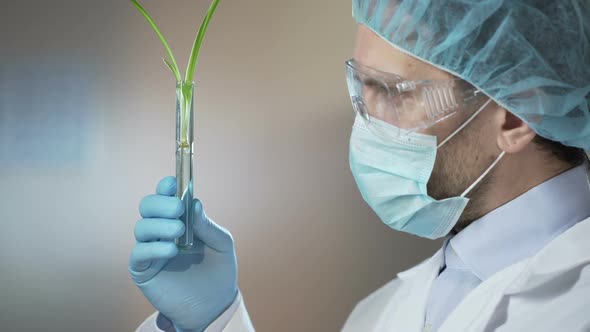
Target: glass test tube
{"points": [[184, 160]]}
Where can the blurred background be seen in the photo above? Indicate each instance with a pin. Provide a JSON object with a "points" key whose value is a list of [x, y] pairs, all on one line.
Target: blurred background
{"points": [[87, 129]]}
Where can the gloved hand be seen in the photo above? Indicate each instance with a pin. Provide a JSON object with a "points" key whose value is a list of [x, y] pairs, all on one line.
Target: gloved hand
{"points": [[192, 290]]}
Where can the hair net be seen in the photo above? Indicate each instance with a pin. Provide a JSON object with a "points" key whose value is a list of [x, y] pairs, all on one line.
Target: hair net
{"points": [[531, 56]]}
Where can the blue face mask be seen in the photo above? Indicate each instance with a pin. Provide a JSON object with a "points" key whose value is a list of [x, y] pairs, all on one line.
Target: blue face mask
{"points": [[392, 176]]}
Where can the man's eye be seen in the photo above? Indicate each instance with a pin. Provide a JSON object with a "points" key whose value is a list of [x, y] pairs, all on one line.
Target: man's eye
{"points": [[380, 90]]}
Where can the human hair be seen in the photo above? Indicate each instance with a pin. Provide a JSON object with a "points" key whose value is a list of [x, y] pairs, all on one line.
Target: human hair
{"points": [[568, 154]]}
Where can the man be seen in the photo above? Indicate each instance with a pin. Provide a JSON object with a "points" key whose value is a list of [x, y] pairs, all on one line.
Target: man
{"points": [[472, 120]]}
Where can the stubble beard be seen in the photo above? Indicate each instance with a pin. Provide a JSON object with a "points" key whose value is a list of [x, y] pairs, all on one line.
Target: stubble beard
{"points": [[457, 166]]}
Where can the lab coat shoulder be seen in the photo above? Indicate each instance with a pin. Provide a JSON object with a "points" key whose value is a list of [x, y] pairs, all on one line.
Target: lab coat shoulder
{"points": [[547, 292], [364, 313], [375, 310], [552, 293]]}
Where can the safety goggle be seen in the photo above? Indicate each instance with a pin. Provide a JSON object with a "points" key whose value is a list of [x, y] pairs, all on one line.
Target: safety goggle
{"points": [[409, 106]]}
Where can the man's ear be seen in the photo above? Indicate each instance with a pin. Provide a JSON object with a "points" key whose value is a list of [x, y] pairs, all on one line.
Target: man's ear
{"points": [[514, 134]]}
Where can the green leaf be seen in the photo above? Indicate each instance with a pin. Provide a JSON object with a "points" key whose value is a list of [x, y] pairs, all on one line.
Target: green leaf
{"points": [[171, 67], [147, 16], [198, 41]]}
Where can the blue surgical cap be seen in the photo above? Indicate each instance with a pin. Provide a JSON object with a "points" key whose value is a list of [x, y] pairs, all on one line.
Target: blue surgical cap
{"points": [[531, 56]]}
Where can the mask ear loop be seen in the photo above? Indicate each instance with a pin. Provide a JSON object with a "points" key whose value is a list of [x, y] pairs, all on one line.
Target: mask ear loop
{"points": [[484, 174], [461, 128], [465, 123]]}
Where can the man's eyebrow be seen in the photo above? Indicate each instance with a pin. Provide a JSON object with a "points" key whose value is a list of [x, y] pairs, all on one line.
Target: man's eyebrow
{"points": [[370, 81]]}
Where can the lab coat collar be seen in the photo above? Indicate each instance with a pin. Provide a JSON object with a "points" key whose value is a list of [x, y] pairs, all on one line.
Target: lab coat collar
{"points": [[417, 281], [570, 251], [520, 228], [435, 261], [549, 274]]}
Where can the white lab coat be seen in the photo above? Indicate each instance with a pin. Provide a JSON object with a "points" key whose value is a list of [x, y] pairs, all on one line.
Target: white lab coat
{"points": [[547, 292]]}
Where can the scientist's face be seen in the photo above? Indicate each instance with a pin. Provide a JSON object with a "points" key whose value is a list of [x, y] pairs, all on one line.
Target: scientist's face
{"points": [[468, 154]]}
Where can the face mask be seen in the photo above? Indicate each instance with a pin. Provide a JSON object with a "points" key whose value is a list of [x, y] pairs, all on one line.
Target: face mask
{"points": [[392, 176]]}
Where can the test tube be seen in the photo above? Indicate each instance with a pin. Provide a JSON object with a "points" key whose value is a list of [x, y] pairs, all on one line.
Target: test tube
{"points": [[184, 160]]}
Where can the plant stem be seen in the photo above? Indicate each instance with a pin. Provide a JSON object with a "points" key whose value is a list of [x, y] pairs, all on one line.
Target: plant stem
{"points": [[185, 94]]}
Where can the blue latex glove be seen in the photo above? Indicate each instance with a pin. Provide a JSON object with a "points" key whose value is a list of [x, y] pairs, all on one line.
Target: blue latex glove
{"points": [[192, 290]]}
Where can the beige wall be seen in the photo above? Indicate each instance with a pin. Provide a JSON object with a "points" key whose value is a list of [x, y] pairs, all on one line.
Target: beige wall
{"points": [[272, 125]]}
